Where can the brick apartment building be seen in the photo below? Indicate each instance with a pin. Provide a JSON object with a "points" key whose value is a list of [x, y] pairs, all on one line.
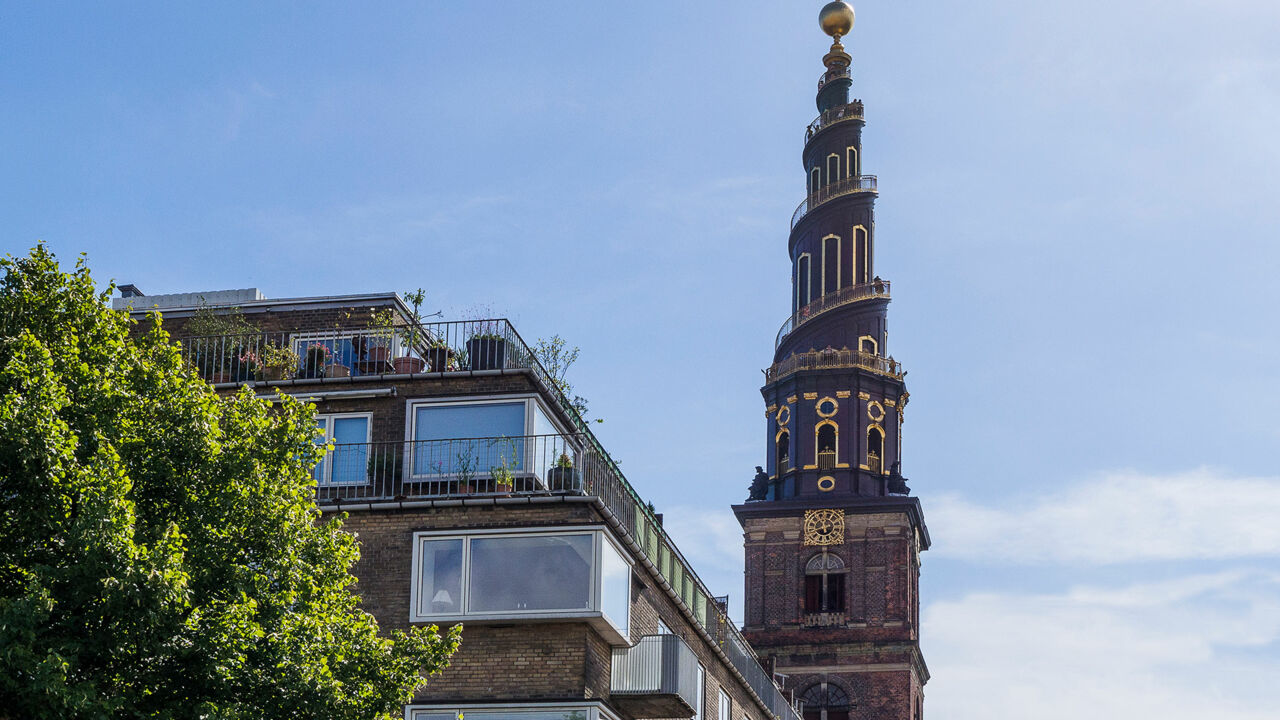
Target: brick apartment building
{"points": [[480, 496]]}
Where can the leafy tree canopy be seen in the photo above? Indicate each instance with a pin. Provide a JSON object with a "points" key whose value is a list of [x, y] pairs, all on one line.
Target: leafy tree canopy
{"points": [[161, 554]]}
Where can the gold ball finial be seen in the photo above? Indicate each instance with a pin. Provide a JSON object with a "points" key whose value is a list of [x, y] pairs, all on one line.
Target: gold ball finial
{"points": [[836, 18]]}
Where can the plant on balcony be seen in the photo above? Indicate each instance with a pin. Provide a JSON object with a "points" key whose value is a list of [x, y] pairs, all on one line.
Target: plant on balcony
{"points": [[217, 340], [245, 366], [556, 357], [486, 343], [385, 466], [316, 359], [503, 477], [413, 334], [376, 346], [465, 471], [563, 475], [277, 362]]}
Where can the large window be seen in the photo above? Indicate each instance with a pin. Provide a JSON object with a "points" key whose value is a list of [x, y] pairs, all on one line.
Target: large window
{"points": [[471, 437], [702, 693], [497, 712], [726, 706], [348, 463], [561, 573]]}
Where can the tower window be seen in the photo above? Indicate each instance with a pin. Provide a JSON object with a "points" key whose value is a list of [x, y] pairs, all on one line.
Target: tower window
{"points": [[825, 701], [851, 162], [827, 446], [815, 179], [784, 452], [830, 264], [824, 584], [875, 449], [833, 168], [802, 281]]}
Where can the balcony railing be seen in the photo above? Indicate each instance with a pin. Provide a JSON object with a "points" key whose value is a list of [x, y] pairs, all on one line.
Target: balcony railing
{"points": [[826, 459], [839, 71], [657, 678], [852, 111], [834, 359], [343, 352], [843, 296], [839, 188]]}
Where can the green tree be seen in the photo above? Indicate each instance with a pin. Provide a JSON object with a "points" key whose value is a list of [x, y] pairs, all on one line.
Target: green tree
{"points": [[161, 554]]}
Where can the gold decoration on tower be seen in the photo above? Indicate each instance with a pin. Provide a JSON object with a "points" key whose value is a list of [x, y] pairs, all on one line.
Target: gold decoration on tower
{"points": [[823, 527], [836, 19]]}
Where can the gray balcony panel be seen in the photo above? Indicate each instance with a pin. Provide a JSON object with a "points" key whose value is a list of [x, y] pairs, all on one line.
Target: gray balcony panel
{"points": [[657, 678]]}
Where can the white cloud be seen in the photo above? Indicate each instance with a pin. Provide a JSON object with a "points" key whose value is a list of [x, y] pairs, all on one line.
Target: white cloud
{"points": [[1118, 518], [1194, 647]]}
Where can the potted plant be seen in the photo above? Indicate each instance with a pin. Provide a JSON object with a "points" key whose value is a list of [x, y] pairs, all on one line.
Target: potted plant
{"points": [[562, 475], [385, 465], [465, 471], [277, 363], [376, 347], [317, 357], [244, 365], [439, 356], [486, 348], [504, 481], [412, 334], [214, 342]]}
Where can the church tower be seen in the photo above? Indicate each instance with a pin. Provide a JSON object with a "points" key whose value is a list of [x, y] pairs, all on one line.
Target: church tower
{"points": [[833, 537]]}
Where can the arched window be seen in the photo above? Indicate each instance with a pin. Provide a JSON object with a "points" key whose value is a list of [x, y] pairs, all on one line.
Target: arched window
{"points": [[824, 584], [803, 293], [825, 701], [860, 248], [868, 344], [826, 441], [875, 448], [833, 168], [784, 452], [830, 264], [815, 179], [851, 163]]}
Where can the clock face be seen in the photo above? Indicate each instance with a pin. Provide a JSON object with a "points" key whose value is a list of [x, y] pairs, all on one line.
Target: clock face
{"points": [[823, 527]]}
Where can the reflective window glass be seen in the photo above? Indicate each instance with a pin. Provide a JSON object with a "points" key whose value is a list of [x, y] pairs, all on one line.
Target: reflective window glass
{"points": [[440, 584], [539, 572], [615, 586]]}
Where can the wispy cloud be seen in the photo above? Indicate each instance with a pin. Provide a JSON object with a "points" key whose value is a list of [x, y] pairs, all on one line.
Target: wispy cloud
{"points": [[1117, 518], [1192, 647]]}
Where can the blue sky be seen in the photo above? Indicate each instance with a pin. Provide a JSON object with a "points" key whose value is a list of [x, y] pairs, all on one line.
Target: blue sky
{"points": [[1077, 212]]}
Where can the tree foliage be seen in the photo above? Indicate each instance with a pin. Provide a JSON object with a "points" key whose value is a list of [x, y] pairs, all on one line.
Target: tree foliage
{"points": [[557, 357], [161, 554]]}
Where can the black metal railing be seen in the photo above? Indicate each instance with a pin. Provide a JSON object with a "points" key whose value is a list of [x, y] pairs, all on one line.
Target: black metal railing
{"points": [[832, 359], [851, 111], [844, 296], [831, 191], [839, 71], [656, 665]]}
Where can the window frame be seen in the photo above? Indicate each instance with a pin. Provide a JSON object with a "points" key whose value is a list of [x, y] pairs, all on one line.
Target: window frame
{"points": [[595, 710], [595, 612], [328, 437], [532, 403], [724, 711]]}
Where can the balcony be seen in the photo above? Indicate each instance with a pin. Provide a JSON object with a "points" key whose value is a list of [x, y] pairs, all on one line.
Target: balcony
{"points": [[835, 359], [839, 188], [657, 678], [315, 354], [852, 111], [876, 290], [839, 71]]}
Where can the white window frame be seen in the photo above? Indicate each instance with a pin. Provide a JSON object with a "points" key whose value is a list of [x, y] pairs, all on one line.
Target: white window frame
{"points": [[530, 400], [725, 709], [595, 710], [700, 708], [327, 481], [594, 612]]}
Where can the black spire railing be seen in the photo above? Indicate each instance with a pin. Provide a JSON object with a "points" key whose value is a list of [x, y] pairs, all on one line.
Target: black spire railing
{"points": [[839, 188]]}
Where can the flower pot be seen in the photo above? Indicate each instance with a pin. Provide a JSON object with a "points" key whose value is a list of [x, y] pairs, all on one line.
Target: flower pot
{"points": [[438, 358], [408, 365], [337, 371], [564, 478], [271, 373], [487, 353], [379, 354]]}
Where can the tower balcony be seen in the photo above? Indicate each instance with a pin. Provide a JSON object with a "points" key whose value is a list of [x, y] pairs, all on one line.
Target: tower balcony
{"points": [[840, 188], [878, 289], [832, 359], [839, 114]]}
